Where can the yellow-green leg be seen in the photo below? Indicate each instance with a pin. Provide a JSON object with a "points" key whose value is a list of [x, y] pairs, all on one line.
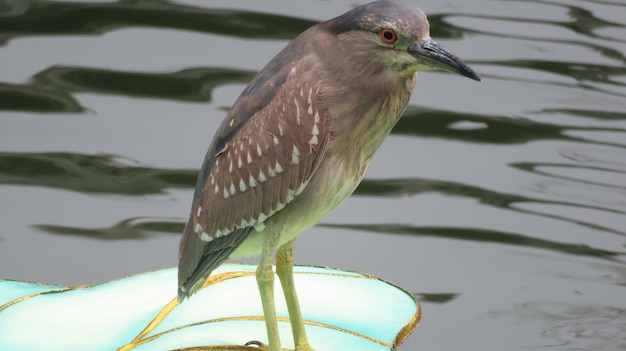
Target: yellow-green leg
{"points": [[284, 269], [265, 281]]}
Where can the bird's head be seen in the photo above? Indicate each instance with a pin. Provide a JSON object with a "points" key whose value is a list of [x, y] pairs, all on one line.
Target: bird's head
{"points": [[391, 34]]}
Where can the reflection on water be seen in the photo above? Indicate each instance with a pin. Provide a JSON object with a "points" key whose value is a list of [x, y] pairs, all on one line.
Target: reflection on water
{"points": [[52, 89], [16, 97], [193, 84], [89, 173], [484, 235], [129, 229], [497, 129], [512, 203], [32, 17], [436, 298]]}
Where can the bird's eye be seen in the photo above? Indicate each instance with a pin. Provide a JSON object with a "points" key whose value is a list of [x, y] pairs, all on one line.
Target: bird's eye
{"points": [[388, 35]]}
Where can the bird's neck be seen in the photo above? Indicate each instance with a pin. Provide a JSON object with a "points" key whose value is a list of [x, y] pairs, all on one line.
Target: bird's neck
{"points": [[364, 117]]}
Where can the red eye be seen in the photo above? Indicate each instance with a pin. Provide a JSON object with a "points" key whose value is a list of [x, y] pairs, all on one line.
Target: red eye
{"points": [[388, 35]]}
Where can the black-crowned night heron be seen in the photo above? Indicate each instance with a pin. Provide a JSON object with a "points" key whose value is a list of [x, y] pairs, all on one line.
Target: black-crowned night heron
{"points": [[298, 141]]}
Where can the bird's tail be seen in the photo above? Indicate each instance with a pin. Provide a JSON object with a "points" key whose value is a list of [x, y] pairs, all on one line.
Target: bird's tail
{"points": [[190, 254], [197, 259]]}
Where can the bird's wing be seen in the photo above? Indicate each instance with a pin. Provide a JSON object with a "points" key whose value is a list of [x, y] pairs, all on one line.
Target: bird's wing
{"points": [[262, 164]]}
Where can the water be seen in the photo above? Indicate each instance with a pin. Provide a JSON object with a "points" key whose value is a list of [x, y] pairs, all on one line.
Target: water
{"points": [[502, 204]]}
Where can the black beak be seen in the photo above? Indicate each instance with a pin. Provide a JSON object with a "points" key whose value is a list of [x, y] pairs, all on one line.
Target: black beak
{"points": [[432, 56]]}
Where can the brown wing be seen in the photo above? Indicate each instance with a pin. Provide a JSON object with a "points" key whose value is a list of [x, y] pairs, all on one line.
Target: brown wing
{"points": [[257, 172]]}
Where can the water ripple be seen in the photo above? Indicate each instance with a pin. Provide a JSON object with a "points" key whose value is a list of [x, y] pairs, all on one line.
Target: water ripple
{"points": [[190, 84], [34, 98], [128, 229], [90, 173], [484, 235], [419, 121], [575, 326], [29, 17]]}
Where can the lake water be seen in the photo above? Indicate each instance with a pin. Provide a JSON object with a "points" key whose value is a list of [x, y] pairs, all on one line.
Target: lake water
{"points": [[502, 204]]}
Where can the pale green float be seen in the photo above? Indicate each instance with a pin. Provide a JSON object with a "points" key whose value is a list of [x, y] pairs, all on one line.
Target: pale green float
{"points": [[343, 310]]}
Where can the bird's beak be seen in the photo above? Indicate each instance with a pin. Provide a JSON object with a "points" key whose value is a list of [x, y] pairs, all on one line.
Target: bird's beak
{"points": [[432, 56]]}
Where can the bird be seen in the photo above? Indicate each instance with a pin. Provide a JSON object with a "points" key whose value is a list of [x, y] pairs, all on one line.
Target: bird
{"points": [[297, 142]]}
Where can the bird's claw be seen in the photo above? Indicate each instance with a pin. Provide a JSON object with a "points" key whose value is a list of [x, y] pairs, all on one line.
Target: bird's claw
{"points": [[261, 346], [256, 343]]}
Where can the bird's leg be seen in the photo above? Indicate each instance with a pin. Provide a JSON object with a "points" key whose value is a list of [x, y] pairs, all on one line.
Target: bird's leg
{"points": [[284, 269], [265, 281]]}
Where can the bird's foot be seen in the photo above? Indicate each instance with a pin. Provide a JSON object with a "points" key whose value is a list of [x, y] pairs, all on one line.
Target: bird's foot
{"points": [[266, 347]]}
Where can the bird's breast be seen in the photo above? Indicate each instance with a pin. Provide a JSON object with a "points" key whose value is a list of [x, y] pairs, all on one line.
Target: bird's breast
{"points": [[358, 125]]}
